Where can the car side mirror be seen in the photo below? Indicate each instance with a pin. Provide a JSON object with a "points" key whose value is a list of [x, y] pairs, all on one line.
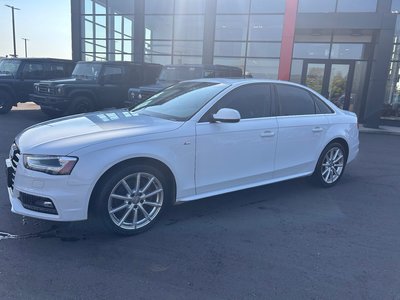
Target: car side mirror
{"points": [[226, 115]]}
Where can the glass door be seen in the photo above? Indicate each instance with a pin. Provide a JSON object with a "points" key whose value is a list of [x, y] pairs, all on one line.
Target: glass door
{"points": [[332, 79]]}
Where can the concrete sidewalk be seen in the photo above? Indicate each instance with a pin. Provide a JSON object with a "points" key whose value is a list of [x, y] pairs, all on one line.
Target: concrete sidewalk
{"points": [[390, 130]]}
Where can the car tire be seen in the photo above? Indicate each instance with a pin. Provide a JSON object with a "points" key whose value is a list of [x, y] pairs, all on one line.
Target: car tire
{"points": [[127, 205], [330, 166], [51, 112], [80, 104], [5, 102]]}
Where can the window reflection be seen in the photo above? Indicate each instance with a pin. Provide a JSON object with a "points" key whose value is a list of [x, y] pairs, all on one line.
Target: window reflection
{"points": [[262, 68], [356, 6], [311, 50], [266, 28], [188, 27], [231, 27], [233, 6], [267, 6]]}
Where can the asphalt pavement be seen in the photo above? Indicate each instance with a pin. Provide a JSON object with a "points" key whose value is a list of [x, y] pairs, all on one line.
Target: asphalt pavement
{"points": [[290, 240]]}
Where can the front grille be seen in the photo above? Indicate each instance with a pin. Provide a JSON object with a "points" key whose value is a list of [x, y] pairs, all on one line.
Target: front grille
{"points": [[14, 157], [45, 89], [36, 203]]}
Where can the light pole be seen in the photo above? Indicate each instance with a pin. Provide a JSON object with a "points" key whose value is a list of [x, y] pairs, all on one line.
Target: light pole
{"points": [[26, 46], [13, 24]]}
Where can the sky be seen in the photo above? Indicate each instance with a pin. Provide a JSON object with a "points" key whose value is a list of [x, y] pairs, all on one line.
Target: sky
{"points": [[46, 23]]}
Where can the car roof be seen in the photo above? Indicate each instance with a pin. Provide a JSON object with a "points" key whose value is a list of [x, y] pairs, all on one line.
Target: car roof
{"points": [[239, 81]]}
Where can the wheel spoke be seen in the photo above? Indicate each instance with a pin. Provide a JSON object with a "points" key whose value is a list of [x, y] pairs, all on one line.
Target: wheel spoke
{"points": [[324, 172], [154, 204], [152, 194], [137, 183], [118, 208], [338, 159], [120, 197], [338, 165], [135, 218], [125, 216], [148, 185], [146, 215], [126, 186], [336, 154], [327, 175]]}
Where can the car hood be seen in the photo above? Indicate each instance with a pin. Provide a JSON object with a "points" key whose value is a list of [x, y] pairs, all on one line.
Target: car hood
{"points": [[66, 81], [65, 135], [160, 85]]}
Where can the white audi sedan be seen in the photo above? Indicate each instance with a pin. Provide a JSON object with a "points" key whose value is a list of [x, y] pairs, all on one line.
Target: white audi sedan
{"points": [[193, 140]]}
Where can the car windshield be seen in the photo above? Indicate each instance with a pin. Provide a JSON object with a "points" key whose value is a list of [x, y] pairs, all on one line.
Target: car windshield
{"points": [[9, 66], [86, 71], [181, 101], [177, 74]]}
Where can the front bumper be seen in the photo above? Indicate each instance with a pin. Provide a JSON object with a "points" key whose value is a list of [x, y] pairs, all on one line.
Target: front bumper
{"points": [[70, 200], [51, 102]]}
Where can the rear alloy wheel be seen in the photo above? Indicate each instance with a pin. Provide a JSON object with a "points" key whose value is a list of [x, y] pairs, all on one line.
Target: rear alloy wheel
{"points": [[5, 102], [80, 104], [331, 165], [132, 199]]}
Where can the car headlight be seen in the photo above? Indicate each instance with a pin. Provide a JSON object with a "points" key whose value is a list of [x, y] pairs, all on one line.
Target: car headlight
{"points": [[50, 164], [59, 90], [36, 87]]}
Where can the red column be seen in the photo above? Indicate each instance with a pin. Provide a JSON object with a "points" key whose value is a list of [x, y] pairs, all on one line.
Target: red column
{"points": [[289, 27]]}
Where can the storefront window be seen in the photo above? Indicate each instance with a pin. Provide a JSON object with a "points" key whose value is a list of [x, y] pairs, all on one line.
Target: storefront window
{"points": [[233, 6], [311, 50], [266, 28], [317, 6], [356, 5], [269, 6]]}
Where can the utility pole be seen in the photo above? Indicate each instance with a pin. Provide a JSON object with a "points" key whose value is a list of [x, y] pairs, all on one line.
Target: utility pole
{"points": [[13, 25], [26, 46]]}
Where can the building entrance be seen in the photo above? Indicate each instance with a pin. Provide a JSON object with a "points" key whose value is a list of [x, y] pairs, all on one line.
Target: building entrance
{"points": [[333, 79]]}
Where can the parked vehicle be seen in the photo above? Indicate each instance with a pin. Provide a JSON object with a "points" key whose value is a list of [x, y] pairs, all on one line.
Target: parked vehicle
{"points": [[93, 85], [17, 76], [172, 74], [193, 140]]}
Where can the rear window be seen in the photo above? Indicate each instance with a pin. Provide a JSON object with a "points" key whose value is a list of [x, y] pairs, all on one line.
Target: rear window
{"points": [[294, 101]]}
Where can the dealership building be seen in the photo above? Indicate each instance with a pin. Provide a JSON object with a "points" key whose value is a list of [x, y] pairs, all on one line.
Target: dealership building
{"points": [[348, 50]]}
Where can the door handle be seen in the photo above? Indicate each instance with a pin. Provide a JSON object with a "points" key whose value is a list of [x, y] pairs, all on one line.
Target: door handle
{"points": [[267, 133], [318, 129]]}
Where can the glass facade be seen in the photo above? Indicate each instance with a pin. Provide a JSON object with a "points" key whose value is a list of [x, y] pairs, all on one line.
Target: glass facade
{"points": [[340, 6], [107, 30], [249, 34], [174, 31], [391, 108]]}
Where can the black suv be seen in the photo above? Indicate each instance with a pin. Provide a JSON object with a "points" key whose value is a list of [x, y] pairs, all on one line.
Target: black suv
{"points": [[172, 74], [17, 76], [93, 85]]}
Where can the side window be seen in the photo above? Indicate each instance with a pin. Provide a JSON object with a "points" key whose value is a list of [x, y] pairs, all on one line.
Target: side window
{"points": [[251, 101], [322, 108], [56, 71], [294, 101], [33, 71], [112, 74]]}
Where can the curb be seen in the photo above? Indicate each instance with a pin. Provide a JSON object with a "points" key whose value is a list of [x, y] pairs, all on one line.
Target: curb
{"points": [[379, 131]]}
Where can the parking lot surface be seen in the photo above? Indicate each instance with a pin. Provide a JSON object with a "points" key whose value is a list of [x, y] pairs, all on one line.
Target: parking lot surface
{"points": [[290, 240]]}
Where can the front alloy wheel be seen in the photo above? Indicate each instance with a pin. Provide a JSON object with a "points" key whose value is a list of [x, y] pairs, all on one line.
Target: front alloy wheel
{"points": [[135, 201], [131, 199]]}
